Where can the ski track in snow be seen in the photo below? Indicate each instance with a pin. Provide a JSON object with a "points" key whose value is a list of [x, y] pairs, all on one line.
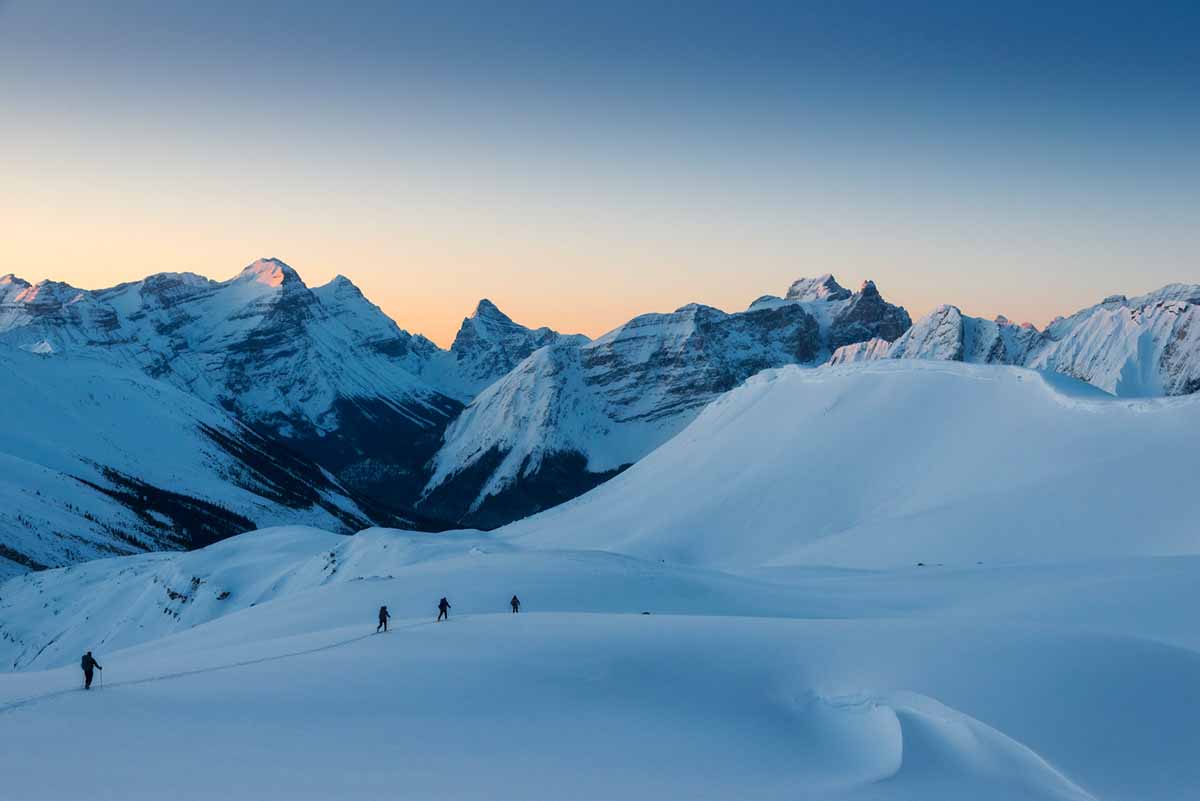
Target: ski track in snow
{"points": [[23, 702]]}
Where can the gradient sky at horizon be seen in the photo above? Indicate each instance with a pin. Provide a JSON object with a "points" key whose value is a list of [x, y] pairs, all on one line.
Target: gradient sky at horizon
{"points": [[580, 164]]}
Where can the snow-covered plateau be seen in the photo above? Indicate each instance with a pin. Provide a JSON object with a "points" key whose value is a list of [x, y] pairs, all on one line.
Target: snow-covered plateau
{"points": [[904, 580]]}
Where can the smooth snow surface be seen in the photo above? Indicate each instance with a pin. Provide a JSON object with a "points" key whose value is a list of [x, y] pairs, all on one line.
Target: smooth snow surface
{"points": [[894, 463], [1070, 681]]}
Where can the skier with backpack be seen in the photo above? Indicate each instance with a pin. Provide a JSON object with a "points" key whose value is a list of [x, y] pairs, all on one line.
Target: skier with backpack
{"points": [[515, 603], [384, 617], [88, 663], [443, 610]]}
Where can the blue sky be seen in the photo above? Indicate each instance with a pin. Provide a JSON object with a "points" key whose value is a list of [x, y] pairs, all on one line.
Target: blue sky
{"points": [[583, 163]]}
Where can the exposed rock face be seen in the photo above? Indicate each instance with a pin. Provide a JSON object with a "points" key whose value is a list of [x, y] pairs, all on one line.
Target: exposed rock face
{"points": [[867, 315], [843, 317], [588, 410], [489, 344]]}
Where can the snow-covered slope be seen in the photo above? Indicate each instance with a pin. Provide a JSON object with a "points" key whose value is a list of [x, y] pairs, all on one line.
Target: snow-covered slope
{"points": [[1135, 347], [97, 459], [1050, 682], [1131, 347], [569, 416], [895, 463]]}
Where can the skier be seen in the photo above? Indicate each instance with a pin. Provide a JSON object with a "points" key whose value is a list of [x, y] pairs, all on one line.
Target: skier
{"points": [[384, 616], [515, 603], [88, 663], [443, 610]]}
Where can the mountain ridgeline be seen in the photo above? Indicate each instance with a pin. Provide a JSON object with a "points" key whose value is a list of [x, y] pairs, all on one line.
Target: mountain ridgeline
{"points": [[178, 410]]}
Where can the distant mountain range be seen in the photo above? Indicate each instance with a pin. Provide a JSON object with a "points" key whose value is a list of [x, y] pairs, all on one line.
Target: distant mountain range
{"points": [[1130, 347], [176, 410]]}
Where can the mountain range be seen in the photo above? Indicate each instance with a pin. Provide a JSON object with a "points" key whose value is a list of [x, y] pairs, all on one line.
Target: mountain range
{"points": [[178, 410]]}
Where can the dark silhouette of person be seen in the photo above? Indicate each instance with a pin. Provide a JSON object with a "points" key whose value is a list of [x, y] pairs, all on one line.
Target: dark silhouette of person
{"points": [[384, 617], [443, 610], [515, 603], [88, 663]]}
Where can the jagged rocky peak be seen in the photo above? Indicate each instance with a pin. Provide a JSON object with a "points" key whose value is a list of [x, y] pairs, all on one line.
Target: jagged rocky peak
{"points": [[866, 315], [168, 287], [487, 310], [270, 272], [823, 287], [1004, 322], [484, 323], [47, 293]]}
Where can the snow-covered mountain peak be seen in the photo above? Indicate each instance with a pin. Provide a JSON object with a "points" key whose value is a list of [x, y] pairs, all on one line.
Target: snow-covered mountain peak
{"points": [[823, 287], [342, 285], [166, 281], [1187, 293], [49, 293], [689, 310], [11, 287], [270, 272], [486, 310]]}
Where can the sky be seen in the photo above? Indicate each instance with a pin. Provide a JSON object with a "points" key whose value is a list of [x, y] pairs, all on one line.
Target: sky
{"points": [[579, 164]]}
